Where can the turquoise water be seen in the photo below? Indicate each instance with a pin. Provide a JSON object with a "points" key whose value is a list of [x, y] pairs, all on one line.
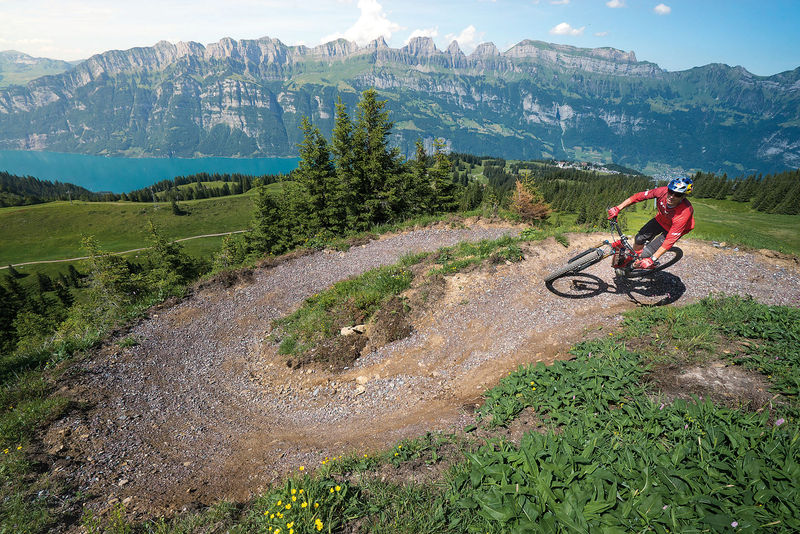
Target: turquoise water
{"points": [[120, 175]]}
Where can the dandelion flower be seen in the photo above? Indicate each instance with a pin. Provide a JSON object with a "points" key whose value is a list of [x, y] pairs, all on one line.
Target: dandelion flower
{"points": [[294, 491], [290, 525], [279, 503], [304, 505], [294, 499], [302, 468], [301, 492], [338, 488], [288, 506]]}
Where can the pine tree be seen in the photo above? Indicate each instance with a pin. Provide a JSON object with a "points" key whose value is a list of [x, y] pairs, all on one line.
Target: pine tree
{"points": [[444, 188], [343, 150], [317, 174], [376, 165], [420, 193]]}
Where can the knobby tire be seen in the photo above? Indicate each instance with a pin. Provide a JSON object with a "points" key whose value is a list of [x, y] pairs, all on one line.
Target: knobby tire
{"points": [[675, 255], [577, 265]]}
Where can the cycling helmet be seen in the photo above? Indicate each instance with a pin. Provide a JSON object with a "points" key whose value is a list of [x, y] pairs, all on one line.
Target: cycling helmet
{"points": [[681, 185]]}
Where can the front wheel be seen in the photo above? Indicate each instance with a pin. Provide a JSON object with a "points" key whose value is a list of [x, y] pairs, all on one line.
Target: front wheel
{"points": [[587, 259], [669, 258]]}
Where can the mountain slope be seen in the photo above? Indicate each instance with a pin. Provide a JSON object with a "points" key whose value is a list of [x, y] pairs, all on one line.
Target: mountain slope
{"points": [[18, 68], [536, 100]]}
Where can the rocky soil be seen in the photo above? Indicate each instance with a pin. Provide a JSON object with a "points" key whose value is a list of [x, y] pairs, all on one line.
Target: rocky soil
{"points": [[203, 408]]}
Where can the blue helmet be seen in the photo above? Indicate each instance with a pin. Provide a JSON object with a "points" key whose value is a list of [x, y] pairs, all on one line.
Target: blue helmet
{"points": [[681, 185]]}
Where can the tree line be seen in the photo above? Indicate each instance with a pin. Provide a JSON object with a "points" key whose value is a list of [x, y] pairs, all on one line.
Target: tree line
{"points": [[26, 190], [774, 193], [351, 183]]}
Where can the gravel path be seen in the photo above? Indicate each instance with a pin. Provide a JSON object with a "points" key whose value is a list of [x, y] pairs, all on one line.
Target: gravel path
{"points": [[203, 408]]}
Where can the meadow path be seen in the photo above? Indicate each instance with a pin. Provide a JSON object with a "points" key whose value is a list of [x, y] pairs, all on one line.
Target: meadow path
{"points": [[203, 407]]}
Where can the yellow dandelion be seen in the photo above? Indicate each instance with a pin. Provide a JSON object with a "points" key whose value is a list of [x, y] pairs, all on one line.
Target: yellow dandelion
{"points": [[294, 491], [533, 389], [290, 525], [331, 490], [272, 516], [294, 499], [301, 492], [304, 505], [288, 506], [279, 503], [302, 468], [338, 488]]}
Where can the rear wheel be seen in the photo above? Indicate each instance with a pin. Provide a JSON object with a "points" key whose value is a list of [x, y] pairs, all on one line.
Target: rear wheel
{"points": [[594, 255], [669, 258]]}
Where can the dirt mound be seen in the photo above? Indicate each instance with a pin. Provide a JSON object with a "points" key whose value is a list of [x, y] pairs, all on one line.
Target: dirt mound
{"points": [[204, 407]]}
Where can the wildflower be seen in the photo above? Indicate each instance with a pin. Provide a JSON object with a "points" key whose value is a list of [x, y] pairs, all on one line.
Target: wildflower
{"points": [[272, 516], [318, 524], [288, 506], [290, 525], [316, 505], [780, 421], [338, 488], [294, 499], [294, 491], [665, 507], [735, 524], [301, 492], [685, 426], [332, 488], [533, 389], [5, 451], [302, 468], [661, 407], [304, 505]]}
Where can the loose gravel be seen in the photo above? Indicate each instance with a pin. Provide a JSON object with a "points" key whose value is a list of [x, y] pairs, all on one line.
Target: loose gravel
{"points": [[203, 408]]}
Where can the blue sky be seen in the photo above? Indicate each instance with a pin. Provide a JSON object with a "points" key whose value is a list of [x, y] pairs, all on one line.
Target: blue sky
{"points": [[761, 35]]}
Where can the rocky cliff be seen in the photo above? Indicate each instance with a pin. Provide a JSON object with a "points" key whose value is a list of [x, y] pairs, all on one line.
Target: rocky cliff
{"points": [[536, 100]]}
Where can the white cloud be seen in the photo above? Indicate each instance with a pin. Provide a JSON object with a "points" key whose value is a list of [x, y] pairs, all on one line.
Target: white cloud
{"points": [[662, 9], [613, 4], [566, 29], [559, 2], [601, 34], [423, 32], [372, 23], [468, 39]]}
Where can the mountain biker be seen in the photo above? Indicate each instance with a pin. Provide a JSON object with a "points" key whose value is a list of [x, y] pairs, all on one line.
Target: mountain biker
{"points": [[675, 218]]}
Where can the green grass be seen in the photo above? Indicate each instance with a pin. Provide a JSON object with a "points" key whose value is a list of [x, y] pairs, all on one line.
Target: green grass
{"points": [[53, 231], [344, 304], [611, 457]]}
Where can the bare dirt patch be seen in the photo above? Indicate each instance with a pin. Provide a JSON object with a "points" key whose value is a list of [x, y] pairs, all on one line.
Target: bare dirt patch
{"points": [[725, 384], [204, 408]]}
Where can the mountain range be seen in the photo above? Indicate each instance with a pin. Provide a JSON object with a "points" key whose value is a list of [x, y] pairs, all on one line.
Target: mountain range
{"points": [[536, 100]]}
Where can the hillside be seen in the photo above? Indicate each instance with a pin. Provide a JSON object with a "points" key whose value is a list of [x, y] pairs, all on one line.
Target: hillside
{"points": [[213, 410], [17, 68], [535, 100]]}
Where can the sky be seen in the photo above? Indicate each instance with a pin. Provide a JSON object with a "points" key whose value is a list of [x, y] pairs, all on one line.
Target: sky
{"points": [[760, 35]]}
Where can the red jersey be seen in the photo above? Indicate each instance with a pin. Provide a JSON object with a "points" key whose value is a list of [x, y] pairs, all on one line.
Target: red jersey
{"points": [[677, 221]]}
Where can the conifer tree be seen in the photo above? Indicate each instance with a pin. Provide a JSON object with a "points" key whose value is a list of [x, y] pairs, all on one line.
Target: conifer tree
{"points": [[317, 174], [377, 165], [420, 193], [443, 185], [343, 150]]}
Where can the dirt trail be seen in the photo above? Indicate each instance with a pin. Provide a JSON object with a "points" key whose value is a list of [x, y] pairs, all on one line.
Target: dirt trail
{"points": [[203, 408]]}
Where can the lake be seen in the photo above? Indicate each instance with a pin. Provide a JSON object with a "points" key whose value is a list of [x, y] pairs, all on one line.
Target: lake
{"points": [[120, 175]]}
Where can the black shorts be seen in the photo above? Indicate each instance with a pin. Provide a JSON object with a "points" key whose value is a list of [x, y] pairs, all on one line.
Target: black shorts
{"points": [[653, 234]]}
